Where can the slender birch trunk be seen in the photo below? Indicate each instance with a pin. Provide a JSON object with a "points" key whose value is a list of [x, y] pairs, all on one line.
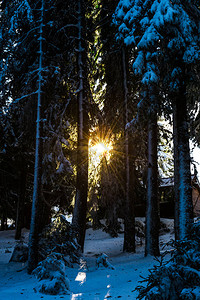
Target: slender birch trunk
{"points": [[129, 220], [152, 217], [80, 208], [182, 169], [34, 227]]}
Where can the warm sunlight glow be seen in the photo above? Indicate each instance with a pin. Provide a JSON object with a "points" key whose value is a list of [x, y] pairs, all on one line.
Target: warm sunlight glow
{"points": [[100, 148], [99, 151]]}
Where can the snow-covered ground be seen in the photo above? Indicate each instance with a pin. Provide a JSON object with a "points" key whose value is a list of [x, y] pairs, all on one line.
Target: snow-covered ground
{"points": [[88, 283]]}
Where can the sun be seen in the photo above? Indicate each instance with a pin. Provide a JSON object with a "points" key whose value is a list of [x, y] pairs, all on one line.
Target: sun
{"points": [[100, 148], [99, 151]]}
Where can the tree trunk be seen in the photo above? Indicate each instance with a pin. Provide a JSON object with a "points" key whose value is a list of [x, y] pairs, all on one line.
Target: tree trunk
{"points": [[34, 227], [20, 204], [45, 213], [182, 168], [80, 208], [129, 220], [152, 217], [112, 224], [176, 172], [3, 222]]}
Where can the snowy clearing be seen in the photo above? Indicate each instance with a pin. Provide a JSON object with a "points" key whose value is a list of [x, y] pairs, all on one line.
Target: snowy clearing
{"points": [[87, 283]]}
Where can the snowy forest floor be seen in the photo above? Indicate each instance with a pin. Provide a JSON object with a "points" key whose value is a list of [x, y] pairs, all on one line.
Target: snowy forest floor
{"points": [[85, 283]]}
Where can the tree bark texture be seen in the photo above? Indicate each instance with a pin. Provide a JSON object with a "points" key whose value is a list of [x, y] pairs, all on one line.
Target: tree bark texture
{"points": [[182, 169], [37, 188], [176, 172], [80, 208], [45, 213], [129, 220], [152, 217]]}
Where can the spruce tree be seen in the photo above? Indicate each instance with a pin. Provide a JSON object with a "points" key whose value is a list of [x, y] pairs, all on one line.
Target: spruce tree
{"points": [[80, 208], [20, 45], [37, 186], [130, 180], [165, 34]]}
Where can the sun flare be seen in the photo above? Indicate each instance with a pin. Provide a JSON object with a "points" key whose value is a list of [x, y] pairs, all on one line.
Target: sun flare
{"points": [[100, 148], [98, 151]]}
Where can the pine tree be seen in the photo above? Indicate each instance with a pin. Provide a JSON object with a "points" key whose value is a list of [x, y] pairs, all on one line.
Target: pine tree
{"points": [[80, 208], [11, 83], [165, 34], [22, 72], [118, 107], [152, 217], [130, 182], [34, 228]]}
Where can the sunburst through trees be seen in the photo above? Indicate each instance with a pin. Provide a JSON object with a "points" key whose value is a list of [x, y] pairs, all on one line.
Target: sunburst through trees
{"points": [[98, 151]]}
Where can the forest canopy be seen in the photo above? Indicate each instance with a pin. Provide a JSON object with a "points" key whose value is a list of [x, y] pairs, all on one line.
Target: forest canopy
{"points": [[98, 102]]}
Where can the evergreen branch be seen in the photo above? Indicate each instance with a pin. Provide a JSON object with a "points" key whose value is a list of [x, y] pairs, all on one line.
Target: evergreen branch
{"points": [[68, 26], [50, 44], [133, 124], [25, 96], [27, 34]]}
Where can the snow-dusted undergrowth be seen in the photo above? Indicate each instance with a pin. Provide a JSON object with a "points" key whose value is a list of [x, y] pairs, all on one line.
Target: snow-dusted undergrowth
{"points": [[86, 282], [178, 277], [102, 261], [51, 275], [59, 237]]}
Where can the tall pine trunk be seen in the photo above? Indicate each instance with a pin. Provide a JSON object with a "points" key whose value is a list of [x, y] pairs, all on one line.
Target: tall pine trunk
{"points": [[176, 172], [182, 168], [152, 217], [129, 220], [34, 227], [80, 208]]}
